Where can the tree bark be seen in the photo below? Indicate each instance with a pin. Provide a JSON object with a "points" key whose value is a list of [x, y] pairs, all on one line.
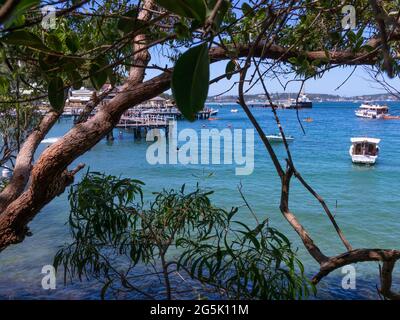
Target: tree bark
{"points": [[24, 160]]}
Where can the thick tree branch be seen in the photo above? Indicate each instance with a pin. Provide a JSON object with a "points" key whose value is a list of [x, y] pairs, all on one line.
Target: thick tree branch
{"points": [[354, 256], [24, 159], [7, 8]]}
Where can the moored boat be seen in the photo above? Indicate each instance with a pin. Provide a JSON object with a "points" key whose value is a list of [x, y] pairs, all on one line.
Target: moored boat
{"points": [[213, 112], [364, 150], [279, 138], [303, 102], [50, 140], [372, 111]]}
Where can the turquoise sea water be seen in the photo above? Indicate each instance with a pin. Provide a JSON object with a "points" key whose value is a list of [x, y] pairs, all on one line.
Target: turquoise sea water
{"points": [[365, 200]]}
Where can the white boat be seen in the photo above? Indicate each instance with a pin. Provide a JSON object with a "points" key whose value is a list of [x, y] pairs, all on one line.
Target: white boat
{"points": [[364, 150], [213, 112], [372, 111], [234, 110], [278, 138], [302, 102], [50, 140], [6, 173]]}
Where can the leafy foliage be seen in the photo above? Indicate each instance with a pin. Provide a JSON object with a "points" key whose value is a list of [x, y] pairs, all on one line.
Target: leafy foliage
{"points": [[190, 80], [195, 9], [114, 233], [94, 46], [15, 126]]}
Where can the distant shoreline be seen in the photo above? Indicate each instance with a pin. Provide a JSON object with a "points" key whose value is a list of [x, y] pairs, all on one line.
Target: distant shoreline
{"points": [[314, 101]]}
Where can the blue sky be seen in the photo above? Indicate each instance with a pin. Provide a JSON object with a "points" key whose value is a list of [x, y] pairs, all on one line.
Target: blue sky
{"points": [[360, 82]]}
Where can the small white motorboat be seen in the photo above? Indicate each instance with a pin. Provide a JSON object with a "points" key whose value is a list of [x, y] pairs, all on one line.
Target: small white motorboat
{"points": [[6, 173], [213, 112], [364, 150], [279, 138], [234, 110], [50, 140]]}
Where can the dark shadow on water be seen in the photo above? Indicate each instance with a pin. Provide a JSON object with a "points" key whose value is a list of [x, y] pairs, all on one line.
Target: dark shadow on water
{"points": [[329, 289]]}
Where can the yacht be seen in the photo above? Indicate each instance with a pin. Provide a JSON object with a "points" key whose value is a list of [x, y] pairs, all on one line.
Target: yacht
{"points": [[364, 150], [372, 111]]}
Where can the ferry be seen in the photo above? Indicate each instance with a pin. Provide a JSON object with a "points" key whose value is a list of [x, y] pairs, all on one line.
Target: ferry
{"points": [[364, 150], [372, 111], [302, 102]]}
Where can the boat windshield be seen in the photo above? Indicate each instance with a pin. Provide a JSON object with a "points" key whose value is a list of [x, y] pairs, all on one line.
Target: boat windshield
{"points": [[365, 149]]}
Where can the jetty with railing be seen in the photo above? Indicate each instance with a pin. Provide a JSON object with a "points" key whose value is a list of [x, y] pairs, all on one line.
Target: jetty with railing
{"points": [[169, 112], [154, 113], [140, 125]]}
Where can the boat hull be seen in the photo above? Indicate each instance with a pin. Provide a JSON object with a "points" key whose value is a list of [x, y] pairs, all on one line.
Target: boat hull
{"points": [[369, 115], [279, 139], [301, 105], [362, 159]]}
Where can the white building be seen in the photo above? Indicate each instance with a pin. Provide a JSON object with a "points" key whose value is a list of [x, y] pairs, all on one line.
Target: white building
{"points": [[80, 97]]}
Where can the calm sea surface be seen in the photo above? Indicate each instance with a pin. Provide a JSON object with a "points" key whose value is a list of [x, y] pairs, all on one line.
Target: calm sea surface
{"points": [[365, 200]]}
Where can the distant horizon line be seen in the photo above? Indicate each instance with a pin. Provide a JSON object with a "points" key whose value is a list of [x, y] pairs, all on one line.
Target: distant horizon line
{"points": [[310, 94]]}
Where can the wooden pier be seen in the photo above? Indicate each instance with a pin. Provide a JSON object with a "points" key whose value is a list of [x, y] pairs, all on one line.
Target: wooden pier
{"points": [[140, 120], [171, 113], [141, 125]]}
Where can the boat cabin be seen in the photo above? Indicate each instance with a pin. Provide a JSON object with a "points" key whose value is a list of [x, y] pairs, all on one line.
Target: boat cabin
{"points": [[373, 111], [364, 150]]}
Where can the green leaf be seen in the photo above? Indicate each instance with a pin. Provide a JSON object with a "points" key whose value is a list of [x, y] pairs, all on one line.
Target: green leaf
{"points": [[220, 13], [24, 38], [46, 62], [4, 85], [190, 80], [230, 67], [17, 16], [195, 9], [128, 22], [25, 5], [54, 42], [181, 30], [246, 9], [75, 78], [56, 93], [98, 75], [352, 37], [112, 77], [72, 43]]}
